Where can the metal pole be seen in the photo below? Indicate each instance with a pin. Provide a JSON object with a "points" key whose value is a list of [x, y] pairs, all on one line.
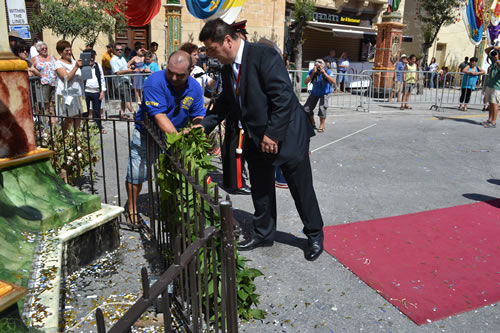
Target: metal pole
{"points": [[229, 275]]}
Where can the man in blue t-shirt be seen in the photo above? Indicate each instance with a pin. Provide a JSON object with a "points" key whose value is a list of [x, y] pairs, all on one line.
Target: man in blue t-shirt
{"points": [[399, 78], [322, 80], [171, 98]]}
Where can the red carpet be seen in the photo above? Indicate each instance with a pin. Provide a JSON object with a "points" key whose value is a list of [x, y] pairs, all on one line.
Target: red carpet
{"points": [[429, 265]]}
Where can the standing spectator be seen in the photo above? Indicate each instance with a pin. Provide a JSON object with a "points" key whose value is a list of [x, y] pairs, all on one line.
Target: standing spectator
{"points": [[202, 58], [493, 86], [149, 65], [94, 90], [14, 37], [21, 50], [322, 80], [33, 50], [276, 127], [171, 99], [410, 77], [106, 59], [69, 91], [136, 63], [420, 81], [464, 64], [153, 48], [46, 65], [122, 82], [397, 87], [137, 47], [331, 62], [126, 53], [469, 81], [433, 68], [197, 72], [343, 68]]}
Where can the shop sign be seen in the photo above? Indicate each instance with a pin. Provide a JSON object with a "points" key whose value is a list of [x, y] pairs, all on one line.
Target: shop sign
{"points": [[22, 30], [16, 10], [335, 18]]}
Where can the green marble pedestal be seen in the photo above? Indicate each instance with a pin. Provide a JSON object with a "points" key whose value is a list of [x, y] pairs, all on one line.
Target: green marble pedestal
{"points": [[34, 199]]}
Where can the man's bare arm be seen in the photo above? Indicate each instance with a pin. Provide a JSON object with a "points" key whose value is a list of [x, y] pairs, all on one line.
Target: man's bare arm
{"points": [[164, 123]]}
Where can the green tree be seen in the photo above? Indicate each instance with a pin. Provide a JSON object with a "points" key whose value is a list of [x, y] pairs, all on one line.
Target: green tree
{"points": [[433, 15], [72, 19], [303, 11]]}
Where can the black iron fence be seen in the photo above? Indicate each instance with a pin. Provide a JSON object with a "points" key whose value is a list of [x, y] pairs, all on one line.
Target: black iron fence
{"points": [[197, 292]]}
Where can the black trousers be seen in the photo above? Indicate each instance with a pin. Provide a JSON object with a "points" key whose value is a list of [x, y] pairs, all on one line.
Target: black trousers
{"points": [[96, 107], [232, 163], [298, 175], [465, 95]]}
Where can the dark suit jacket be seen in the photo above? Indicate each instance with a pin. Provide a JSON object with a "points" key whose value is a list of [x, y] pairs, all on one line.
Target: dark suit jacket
{"points": [[268, 104]]}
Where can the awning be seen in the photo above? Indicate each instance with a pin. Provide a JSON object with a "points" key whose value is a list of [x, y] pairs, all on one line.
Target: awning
{"points": [[348, 31], [342, 30]]}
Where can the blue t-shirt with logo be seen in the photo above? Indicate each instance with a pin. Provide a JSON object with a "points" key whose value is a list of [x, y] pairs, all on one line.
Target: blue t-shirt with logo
{"points": [[321, 86], [160, 97], [400, 67]]}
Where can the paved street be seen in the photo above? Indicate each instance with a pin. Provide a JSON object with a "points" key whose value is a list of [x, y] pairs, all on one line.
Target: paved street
{"points": [[367, 166]]}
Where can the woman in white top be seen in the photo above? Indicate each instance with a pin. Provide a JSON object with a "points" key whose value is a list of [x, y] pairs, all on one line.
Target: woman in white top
{"points": [[70, 101], [434, 68]]}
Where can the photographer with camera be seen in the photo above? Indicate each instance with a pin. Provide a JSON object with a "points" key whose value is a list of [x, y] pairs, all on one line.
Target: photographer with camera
{"points": [[492, 92], [322, 80]]}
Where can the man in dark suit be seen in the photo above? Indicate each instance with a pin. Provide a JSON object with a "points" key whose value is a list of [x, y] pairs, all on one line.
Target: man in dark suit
{"points": [[256, 87]]}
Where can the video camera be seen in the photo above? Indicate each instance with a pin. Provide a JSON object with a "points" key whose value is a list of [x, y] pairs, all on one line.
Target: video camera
{"points": [[214, 68]]}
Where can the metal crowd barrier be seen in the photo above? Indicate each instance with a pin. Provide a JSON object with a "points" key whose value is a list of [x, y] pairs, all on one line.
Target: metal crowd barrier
{"points": [[123, 89], [383, 94], [350, 91], [367, 91], [451, 91]]}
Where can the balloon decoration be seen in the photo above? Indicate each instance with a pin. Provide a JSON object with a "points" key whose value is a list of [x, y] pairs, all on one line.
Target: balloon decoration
{"points": [[139, 12], [227, 10]]}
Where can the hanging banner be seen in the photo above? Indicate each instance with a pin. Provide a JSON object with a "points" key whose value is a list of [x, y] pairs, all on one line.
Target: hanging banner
{"points": [[473, 13], [140, 12], [494, 26], [227, 10]]}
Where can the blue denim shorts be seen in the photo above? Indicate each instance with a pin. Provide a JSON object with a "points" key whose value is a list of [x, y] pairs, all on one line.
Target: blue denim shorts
{"points": [[137, 170]]}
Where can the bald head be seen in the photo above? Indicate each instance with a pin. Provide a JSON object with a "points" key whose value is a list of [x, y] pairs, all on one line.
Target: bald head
{"points": [[178, 69], [178, 58]]}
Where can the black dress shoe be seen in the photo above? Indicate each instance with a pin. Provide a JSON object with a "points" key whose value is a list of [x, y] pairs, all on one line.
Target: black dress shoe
{"points": [[244, 190], [253, 244], [314, 250]]}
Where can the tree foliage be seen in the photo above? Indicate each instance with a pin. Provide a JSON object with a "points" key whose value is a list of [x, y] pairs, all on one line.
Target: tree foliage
{"points": [[303, 11], [433, 15], [71, 19]]}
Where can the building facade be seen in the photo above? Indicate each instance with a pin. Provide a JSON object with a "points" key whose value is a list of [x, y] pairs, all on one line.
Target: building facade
{"points": [[451, 45], [342, 25]]}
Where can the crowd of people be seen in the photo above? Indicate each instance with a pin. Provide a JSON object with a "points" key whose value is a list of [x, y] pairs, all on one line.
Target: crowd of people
{"points": [[71, 86]]}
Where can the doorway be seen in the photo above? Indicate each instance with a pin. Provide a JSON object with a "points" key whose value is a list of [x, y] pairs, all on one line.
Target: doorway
{"points": [[133, 34]]}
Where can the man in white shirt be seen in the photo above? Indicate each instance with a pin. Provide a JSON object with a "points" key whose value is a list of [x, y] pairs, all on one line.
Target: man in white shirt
{"points": [[94, 90], [122, 85]]}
